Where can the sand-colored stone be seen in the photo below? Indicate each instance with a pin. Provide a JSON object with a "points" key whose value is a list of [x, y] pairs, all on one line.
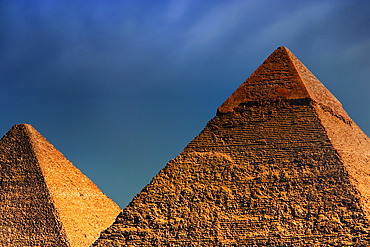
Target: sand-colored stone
{"points": [[44, 199], [281, 164]]}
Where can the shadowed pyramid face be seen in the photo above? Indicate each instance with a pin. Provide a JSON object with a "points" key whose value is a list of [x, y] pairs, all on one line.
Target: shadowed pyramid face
{"points": [[281, 164], [44, 199]]}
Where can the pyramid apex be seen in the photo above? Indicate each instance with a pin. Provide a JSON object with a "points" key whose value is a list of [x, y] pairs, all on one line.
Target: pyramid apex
{"points": [[282, 47], [18, 128], [21, 125], [24, 130], [26, 125], [275, 79], [281, 77]]}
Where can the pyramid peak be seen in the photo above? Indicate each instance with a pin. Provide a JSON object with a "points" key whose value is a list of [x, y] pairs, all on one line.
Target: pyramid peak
{"points": [[22, 126], [281, 47], [25, 130], [282, 77], [18, 131]]}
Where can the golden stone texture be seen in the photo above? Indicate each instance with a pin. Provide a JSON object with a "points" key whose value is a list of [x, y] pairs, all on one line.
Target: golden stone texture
{"points": [[281, 164], [44, 199]]}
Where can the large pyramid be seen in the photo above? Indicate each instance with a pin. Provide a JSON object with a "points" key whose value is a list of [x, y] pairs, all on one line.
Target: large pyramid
{"points": [[44, 199], [281, 164]]}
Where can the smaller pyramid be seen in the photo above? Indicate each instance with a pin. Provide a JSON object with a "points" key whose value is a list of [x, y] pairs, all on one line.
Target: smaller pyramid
{"points": [[44, 199]]}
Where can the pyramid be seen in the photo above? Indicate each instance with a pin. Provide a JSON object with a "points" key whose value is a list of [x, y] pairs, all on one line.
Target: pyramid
{"points": [[281, 164], [44, 199]]}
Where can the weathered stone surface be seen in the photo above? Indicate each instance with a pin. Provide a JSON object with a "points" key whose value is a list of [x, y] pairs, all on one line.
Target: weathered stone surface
{"points": [[282, 76], [44, 199], [281, 164]]}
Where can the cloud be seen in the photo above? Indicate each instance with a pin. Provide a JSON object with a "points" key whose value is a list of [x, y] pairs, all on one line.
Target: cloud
{"points": [[216, 24], [292, 24], [176, 10]]}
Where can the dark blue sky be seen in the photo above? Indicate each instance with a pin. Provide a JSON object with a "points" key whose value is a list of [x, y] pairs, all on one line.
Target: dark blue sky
{"points": [[121, 87]]}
